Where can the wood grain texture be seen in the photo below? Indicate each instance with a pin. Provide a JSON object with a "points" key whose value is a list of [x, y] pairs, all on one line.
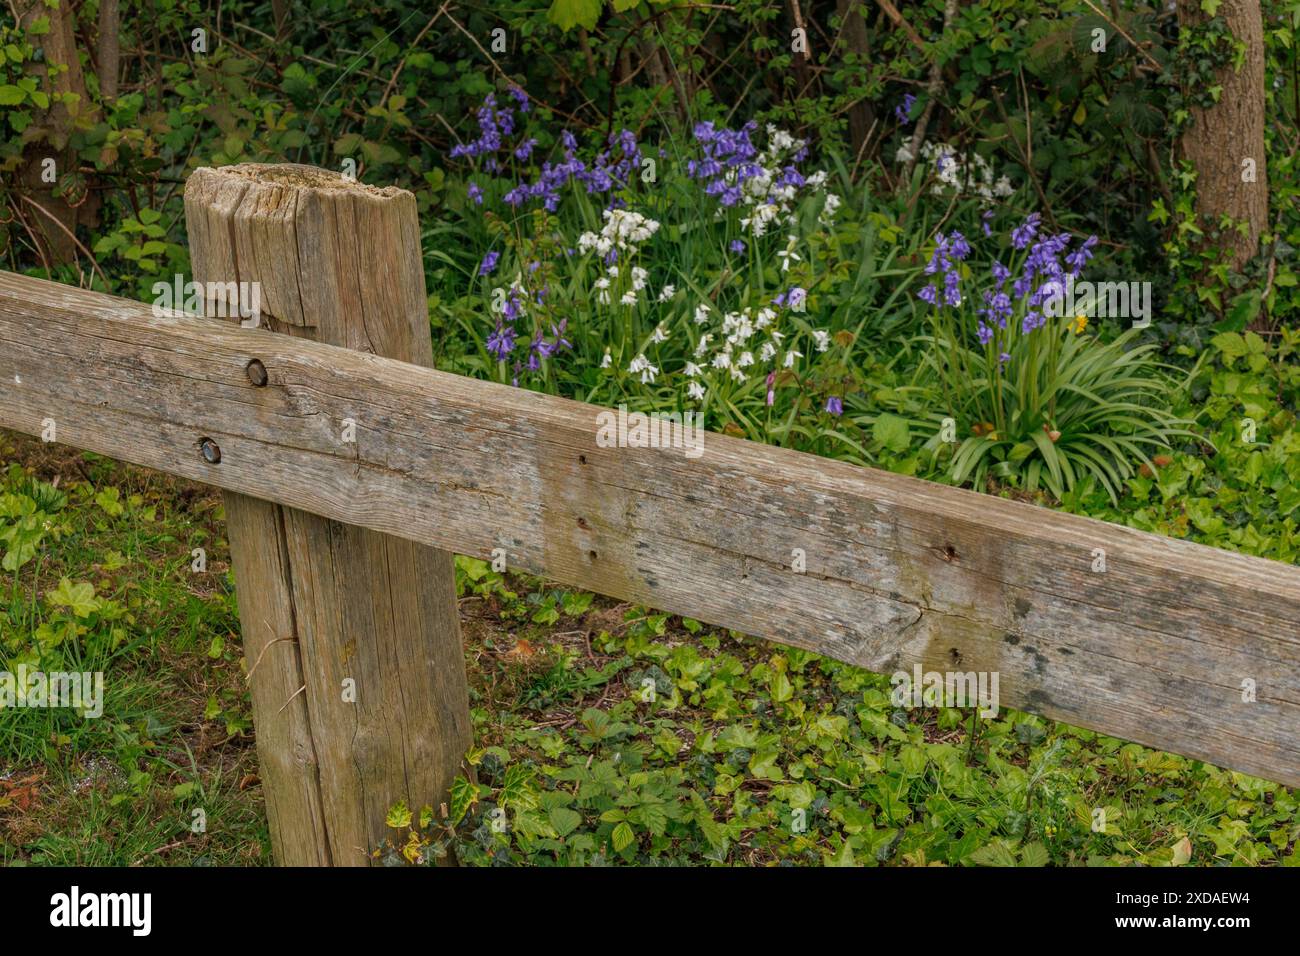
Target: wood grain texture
{"points": [[898, 570], [321, 603]]}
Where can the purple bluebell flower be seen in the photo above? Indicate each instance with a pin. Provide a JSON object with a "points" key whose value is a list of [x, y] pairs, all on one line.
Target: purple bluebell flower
{"points": [[737, 246], [791, 298], [1048, 290], [789, 176], [501, 342], [494, 125], [475, 194], [835, 405], [729, 159], [929, 294], [951, 293], [936, 257], [513, 307], [540, 346], [1023, 234], [614, 168], [903, 111], [489, 262], [1077, 259], [516, 196], [947, 251], [986, 217], [958, 247], [997, 308], [1042, 259], [560, 341]]}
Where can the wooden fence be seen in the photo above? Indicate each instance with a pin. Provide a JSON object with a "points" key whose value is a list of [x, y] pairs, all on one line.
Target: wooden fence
{"points": [[352, 470]]}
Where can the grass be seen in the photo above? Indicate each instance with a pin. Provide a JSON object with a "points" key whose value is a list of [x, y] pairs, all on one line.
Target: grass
{"points": [[121, 789]]}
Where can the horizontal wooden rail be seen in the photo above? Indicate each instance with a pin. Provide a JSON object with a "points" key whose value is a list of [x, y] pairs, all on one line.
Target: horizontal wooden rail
{"points": [[1156, 649]]}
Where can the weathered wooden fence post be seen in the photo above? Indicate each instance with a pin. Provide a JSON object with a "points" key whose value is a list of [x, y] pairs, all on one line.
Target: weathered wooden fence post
{"points": [[352, 637]]}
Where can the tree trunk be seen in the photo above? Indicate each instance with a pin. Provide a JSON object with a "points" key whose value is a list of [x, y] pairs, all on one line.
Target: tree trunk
{"points": [[1225, 143], [109, 50], [53, 218], [857, 43]]}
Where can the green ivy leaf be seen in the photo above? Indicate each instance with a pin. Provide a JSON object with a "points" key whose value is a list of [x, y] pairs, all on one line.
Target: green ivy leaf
{"points": [[844, 858], [781, 688], [577, 603], [463, 796], [399, 816], [764, 766]]}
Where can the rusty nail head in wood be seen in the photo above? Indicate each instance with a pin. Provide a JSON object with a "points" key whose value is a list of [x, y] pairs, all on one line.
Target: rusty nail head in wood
{"points": [[211, 451], [257, 373]]}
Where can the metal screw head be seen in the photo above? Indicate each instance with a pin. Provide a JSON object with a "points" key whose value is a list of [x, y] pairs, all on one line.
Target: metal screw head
{"points": [[211, 451], [257, 373]]}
